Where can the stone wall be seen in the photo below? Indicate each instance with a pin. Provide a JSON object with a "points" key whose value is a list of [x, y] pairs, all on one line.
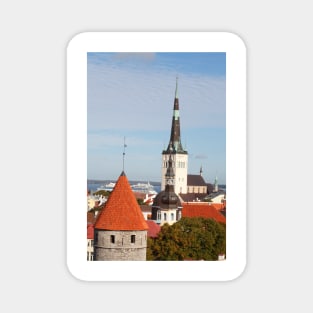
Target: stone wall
{"points": [[120, 245]]}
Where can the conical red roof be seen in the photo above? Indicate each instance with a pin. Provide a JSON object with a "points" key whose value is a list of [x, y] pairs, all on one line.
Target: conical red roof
{"points": [[121, 211]]}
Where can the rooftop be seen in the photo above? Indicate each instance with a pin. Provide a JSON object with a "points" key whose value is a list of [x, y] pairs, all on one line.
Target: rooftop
{"points": [[121, 211]]}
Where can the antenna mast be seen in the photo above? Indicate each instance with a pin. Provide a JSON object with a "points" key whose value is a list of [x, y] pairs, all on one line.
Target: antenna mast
{"points": [[124, 153]]}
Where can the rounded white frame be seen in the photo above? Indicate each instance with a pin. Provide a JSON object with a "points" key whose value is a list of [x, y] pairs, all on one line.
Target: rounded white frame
{"points": [[235, 49]]}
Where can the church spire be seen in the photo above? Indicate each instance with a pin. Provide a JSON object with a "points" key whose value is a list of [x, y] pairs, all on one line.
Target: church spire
{"points": [[176, 91], [175, 145]]}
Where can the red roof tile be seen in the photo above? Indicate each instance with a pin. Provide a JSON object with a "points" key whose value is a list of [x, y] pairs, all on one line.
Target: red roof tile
{"points": [[202, 210], [121, 211], [153, 229], [218, 206]]}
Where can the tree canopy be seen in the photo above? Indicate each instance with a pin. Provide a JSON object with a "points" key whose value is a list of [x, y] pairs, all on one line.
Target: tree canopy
{"points": [[194, 238], [103, 193]]}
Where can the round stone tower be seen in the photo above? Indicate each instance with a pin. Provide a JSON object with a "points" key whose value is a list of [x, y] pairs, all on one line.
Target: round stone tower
{"points": [[120, 229]]}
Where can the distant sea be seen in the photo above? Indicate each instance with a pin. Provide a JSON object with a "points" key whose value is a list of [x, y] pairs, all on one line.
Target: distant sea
{"points": [[92, 185]]}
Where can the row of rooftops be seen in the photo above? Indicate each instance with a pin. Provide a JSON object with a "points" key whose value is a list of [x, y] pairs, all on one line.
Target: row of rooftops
{"points": [[215, 211], [122, 211]]}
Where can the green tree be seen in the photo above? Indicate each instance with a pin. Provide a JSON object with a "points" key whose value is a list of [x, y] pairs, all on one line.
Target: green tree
{"points": [[104, 193], [189, 239], [140, 201]]}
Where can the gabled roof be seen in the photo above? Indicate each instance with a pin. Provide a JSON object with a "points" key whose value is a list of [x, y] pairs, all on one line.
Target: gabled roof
{"points": [[195, 180], [121, 211], [202, 210]]}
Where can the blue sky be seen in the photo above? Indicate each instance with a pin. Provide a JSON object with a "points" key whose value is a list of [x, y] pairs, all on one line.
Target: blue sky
{"points": [[131, 95]]}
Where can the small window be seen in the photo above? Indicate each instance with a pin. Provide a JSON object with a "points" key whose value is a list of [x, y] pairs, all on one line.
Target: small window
{"points": [[132, 238], [172, 216], [112, 239], [164, 216]]}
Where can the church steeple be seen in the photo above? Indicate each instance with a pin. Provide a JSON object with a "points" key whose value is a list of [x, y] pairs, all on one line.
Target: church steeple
{"points": [[174, 157], [175, 145]]}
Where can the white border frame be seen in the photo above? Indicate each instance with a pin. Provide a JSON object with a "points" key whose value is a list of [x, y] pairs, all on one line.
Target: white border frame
{"points": [[235, 49]]}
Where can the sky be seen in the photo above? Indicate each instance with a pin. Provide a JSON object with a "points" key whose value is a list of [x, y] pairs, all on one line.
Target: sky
{"points": [[130, 96]]}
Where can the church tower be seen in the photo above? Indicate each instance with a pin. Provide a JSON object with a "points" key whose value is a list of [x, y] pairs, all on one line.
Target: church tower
{"points": [[120, 231], [178, 154], [166, 207]]}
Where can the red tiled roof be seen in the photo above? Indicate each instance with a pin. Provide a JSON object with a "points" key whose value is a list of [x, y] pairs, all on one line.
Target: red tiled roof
{"points": [[153, 229], [202, 210], [121, 211], [218, 206]]}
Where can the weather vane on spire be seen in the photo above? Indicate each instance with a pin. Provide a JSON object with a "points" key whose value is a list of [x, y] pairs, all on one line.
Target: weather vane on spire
{"points": [[124, 153]]}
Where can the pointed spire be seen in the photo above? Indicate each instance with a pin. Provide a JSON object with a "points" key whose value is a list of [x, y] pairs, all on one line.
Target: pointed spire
{"points": [[175, 145]]}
